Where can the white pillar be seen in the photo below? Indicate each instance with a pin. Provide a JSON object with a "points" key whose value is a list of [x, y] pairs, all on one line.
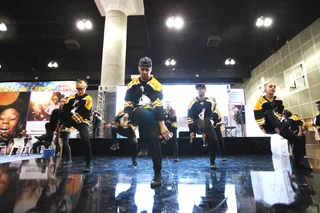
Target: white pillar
{"points": [[115, 37], [114, 51]]}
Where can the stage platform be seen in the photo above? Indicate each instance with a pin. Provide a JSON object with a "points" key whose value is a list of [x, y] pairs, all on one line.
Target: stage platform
{"points": [[233, 146]]}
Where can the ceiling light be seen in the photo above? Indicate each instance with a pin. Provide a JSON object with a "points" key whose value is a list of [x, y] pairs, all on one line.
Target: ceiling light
{"points": [[172, 68], [80, 25], [88, 77], [36, 78], [259, 22], [0, 66], [232, 62], [227, 62], [267, 22], [170, 22], [50, 64], [167, 62], [178, 23], [88, 25], [3, 27], [173, 62], [197, 75], [55, 64]]}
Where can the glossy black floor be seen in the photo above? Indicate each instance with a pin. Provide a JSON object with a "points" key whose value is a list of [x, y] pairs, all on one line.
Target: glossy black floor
{"points": [[242, 184]]}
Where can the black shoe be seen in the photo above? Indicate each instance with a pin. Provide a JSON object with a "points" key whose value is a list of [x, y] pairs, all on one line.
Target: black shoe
{"points": [[176, 159], [205, 144], [67, 162], [157, 181], [88, 168], [143, 152], [224, 158], [114, 147], [134, 161], [213, 165], [302, 167]]}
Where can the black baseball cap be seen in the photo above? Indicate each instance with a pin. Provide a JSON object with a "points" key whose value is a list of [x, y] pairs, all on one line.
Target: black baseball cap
{"points": [[201, 86], [145, 62], [82, 79]]}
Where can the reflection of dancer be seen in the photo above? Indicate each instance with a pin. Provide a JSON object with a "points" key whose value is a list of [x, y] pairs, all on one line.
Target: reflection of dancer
{"points": [[54, 102], [214, 200], [268, 111], [199, 121], [77, 112], [96, 121], [216, 117], [144, 108], [126, 132], [171, 123], [125, 200], [295, 124]]}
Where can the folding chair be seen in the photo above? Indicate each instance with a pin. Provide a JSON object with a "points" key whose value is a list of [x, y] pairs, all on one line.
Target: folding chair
{"points": [[19, 144]]}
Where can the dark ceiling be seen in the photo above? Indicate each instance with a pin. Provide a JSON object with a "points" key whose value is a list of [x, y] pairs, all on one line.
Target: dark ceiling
{"points": [[38, 29]]}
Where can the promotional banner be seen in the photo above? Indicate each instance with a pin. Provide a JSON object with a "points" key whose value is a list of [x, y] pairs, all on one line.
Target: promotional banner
{"points": [[38, 86]]}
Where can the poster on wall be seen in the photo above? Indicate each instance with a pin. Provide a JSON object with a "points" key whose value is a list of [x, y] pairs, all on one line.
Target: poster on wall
{"points": [[50, 86], [41, 106], [13, 113]]}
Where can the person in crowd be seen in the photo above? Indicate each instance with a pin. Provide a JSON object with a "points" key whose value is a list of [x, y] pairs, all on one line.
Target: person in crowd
{"points": [[9, 124], [268, 114], [316, 122], [217, 123], [296, 126], [200, 111], [76, 113], [96, 122], [171, 123], [43, 140], [116, 128], [144, 108], [62, 103]]}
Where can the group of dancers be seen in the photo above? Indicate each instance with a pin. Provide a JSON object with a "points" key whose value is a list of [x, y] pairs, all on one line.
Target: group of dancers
{"points": [[144, 109]]}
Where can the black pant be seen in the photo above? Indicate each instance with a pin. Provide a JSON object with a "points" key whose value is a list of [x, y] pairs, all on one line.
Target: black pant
{"points": [[173, 140], [220, 139], [37, 145], [84, 136], [285, 131], [149, 131], [126, 132], [205, 126]]}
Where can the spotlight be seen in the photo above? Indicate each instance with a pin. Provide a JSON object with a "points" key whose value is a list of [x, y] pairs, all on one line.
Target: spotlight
{"points": [[227, 62], [173, 62], [197, 75], [84, 24], [178, 23], [3, 27], [175, 22], [170, 62], [55, 64], [88, 77], [167, 62], [170, 22], [88, 25], [259, 22], [0, 66], [80, 25], [267, 22], [50, 64], [36, 78], [232, 62]]}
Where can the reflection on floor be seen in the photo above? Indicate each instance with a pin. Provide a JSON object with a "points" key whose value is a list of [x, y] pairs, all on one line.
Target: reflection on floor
{"points": [[6, 158], [242, 184]]}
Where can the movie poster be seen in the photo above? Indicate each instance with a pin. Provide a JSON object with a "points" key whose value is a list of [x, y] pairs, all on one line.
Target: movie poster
{"points": [[13, 113]]}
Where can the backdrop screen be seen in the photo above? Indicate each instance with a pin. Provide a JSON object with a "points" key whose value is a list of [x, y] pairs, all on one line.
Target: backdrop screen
{"points": [[181, 95]]}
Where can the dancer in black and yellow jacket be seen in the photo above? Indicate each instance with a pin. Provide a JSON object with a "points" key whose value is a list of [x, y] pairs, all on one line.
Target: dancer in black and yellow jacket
{"points": [[268, 114], [200, 111], [116, 129], [172, 125], [76, 113], [144, 108]]}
